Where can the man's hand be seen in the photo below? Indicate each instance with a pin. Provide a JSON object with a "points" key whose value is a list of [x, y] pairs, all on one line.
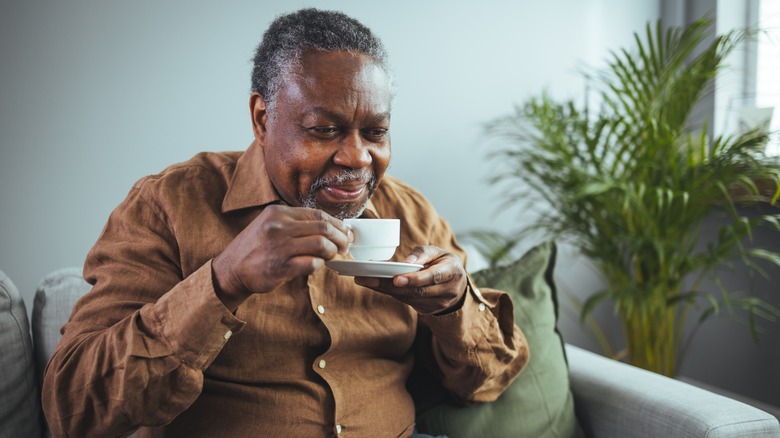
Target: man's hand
{"points": [[434, 289], [278, 245]]}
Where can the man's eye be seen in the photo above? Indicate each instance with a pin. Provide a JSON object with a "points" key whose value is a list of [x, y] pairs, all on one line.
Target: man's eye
{"points": [[324, 130], [376, 133]]}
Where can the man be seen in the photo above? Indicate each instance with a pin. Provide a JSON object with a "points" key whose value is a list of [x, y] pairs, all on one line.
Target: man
{"points": [[212, 313]]}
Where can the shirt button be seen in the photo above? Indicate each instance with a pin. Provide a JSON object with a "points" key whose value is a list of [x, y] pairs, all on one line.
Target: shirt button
{"points": [[322, 363], [228, 334], [338, 428], [481, 307], [321, 309]]}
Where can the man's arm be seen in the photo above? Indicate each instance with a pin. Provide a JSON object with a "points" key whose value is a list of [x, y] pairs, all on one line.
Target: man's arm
{"points": [[135, 348], [141, 371], [476, 345], [478, 349]]}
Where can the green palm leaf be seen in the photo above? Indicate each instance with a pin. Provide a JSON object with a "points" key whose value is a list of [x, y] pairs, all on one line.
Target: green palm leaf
{"points": [[631, 184]]}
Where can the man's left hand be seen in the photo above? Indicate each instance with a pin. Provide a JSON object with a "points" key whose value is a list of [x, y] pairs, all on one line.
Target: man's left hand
{"points": [[436, 288]]}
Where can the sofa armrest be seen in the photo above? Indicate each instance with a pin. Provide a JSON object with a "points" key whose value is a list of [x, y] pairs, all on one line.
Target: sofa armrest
{"points": [[614, 399]]}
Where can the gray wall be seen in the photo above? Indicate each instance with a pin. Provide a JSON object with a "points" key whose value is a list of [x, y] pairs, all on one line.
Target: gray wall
{"points": [[724, 353], [98, 94]]}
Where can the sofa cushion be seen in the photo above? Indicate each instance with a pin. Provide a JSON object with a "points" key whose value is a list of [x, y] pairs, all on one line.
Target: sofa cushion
{"points": [[57, 293], [20, 413], [539, 402]]}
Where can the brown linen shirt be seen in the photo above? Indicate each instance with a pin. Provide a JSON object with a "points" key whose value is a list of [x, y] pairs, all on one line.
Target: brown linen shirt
{"points": [[152, 346]]}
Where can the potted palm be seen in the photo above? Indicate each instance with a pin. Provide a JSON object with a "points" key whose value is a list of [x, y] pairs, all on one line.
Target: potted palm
{"points": [[631, 184]]}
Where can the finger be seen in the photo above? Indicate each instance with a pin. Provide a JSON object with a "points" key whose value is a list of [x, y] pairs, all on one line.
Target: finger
{"points": [[385, 286], [424, 300], [435, 275], [324, 230], [322, 216], [302, 265], [316, 222], [388, 287], [311, 245], [294, 267], [424, 254], [335, 229], [369, 282], [268, 277]]}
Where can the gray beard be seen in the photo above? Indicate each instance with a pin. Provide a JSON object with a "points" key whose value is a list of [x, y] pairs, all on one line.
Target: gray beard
{"points": [[343, 211]]}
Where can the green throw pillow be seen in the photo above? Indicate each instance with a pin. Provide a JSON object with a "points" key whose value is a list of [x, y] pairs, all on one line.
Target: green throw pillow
{"points": [[539, 402]]}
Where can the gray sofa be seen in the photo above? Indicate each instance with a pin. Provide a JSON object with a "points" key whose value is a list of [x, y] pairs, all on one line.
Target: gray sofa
{"points": [[612, 399]]}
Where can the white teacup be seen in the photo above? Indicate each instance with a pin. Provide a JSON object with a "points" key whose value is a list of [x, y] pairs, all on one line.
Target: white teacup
{"points": [[375, 239]]}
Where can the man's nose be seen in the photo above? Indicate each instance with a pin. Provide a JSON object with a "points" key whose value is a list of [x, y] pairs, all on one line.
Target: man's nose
{"points": [[353, 151]]}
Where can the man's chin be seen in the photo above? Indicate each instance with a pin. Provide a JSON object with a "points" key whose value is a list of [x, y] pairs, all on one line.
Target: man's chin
{"points": [[345, 210], [340, 210]]}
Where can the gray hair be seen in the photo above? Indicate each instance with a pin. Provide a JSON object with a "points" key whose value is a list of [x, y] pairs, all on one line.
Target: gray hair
{"points": [[290, 35]]}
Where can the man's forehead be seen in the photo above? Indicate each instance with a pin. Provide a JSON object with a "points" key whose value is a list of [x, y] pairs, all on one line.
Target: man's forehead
{"points": [[330, 83], [313, 57], [319, 66]]}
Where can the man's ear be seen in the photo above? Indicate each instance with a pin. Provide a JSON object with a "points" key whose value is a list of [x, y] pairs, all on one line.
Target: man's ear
{"points": [[259, 112]]}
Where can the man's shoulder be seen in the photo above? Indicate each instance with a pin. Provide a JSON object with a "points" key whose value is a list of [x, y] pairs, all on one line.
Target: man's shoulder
{"points": [[394, 197], [201, 180], [392, 184], [206, 167]]}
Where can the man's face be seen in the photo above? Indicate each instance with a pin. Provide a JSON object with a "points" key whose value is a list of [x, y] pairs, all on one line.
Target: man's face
{"points": [[327, 142]]}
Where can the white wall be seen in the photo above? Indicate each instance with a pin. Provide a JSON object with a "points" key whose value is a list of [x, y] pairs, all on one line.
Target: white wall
{"points": [[98, 94]]}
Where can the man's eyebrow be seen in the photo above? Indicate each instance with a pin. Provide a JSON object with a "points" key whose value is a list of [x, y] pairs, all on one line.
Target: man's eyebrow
{"points": [[382, 116], [318, 110]]}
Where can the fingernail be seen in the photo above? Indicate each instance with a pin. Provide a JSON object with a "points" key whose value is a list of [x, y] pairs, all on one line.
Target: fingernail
{"points": [[350, 235], [411, 259], [401, 281]]}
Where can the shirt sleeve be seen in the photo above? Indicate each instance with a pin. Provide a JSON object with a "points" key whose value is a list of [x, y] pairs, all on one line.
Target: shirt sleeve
{"points": [[477, 350], [135, 347]]}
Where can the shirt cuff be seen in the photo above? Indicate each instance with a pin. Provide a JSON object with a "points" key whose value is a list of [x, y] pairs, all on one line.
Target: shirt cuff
{"points": [[192, 320], [466, 326]]}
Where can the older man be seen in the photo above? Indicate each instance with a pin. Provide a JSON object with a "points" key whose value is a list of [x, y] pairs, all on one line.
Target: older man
{"points": [[212, 313]]}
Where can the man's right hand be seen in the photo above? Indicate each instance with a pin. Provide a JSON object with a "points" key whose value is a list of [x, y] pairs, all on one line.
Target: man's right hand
{"points": [[278, 245]]}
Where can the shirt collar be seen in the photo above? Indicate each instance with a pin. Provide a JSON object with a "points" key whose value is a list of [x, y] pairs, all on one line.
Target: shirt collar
{"points": [[251, 186], [370, 211]]}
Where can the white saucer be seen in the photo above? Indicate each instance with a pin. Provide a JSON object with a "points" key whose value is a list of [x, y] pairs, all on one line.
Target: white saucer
{"points": [[358, 268]]}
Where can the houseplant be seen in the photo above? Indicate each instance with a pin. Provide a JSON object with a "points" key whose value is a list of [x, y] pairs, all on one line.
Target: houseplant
{"points": [[630, 186]]}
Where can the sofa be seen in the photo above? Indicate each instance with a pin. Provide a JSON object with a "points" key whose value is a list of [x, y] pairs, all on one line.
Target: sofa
{"points": [[611, 399]]}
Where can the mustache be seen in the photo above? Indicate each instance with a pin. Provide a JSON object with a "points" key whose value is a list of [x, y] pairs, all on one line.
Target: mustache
{"points": [[364, 176]]}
